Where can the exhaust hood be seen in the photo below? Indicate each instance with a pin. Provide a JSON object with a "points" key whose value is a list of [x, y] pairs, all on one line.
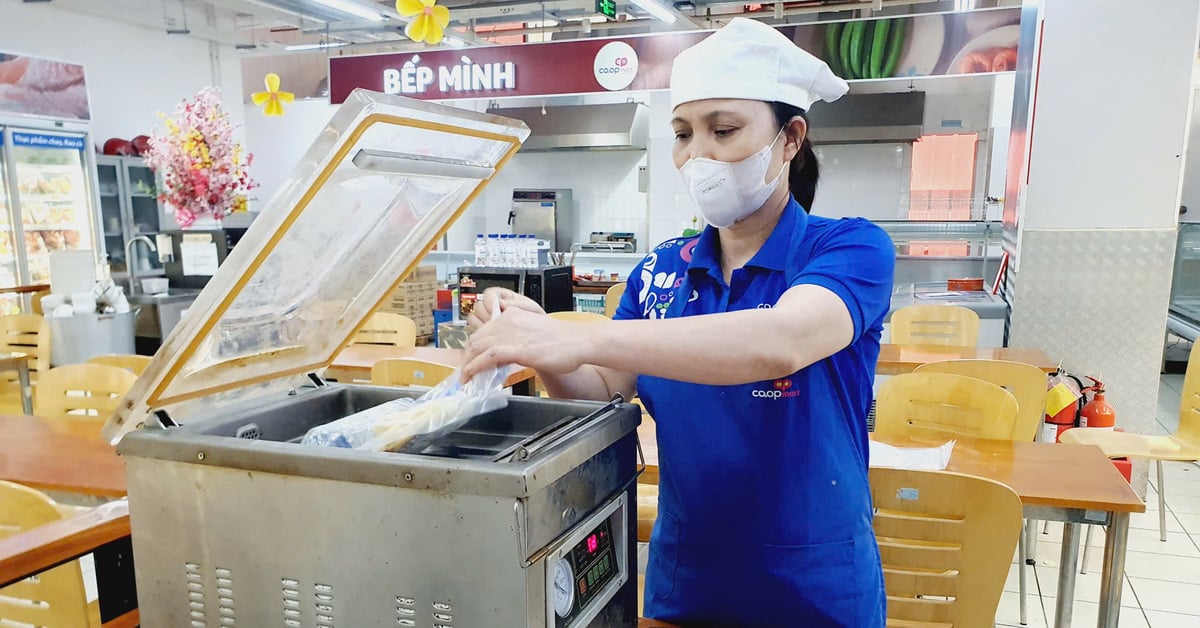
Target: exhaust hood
{"points": [[616, 126], [868, 119]]}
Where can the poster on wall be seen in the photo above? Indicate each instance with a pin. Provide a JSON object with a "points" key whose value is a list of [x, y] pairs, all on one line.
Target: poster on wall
{"points": [[34, 86], [940, 44]]}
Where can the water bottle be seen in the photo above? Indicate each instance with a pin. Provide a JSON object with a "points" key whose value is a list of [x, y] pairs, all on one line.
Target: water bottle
{"points": [[523, 251], [506, 250], [493, 250], [480, 250], [531, 251]]}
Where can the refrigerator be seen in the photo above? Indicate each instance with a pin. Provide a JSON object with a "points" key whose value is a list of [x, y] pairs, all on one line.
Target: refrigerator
{"points": [[49, 201]]}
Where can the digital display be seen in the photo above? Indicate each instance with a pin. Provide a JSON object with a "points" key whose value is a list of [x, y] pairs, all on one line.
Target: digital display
{"points": [[595, 563]]}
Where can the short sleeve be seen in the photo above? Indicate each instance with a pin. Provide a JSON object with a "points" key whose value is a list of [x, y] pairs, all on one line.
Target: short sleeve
{"points": [[630, 307], [855, 260]]}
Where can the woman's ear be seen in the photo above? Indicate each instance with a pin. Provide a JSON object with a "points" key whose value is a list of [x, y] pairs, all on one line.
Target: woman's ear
{"points": [[795, 132]]}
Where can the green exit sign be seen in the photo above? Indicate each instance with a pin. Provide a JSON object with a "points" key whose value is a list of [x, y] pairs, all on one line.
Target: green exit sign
{"points": [[607, 8]]}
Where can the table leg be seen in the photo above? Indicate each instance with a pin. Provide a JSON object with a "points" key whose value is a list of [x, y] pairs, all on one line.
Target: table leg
{"points": [[26, 388], [1067, 566], [1112, 578], [1023, 546]]}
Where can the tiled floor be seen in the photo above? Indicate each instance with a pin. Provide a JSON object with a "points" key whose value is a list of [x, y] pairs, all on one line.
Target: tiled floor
{"points": [[1162, 580]]}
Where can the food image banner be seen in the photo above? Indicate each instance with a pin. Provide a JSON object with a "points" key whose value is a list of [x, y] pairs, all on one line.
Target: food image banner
{"points": [[926, 45], [38, 140], [42, 87]]}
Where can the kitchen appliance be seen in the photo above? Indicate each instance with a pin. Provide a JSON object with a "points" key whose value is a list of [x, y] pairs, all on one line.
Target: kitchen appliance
{"points": [[551, 287], [547, 214], [610, 241], [520, 518]]}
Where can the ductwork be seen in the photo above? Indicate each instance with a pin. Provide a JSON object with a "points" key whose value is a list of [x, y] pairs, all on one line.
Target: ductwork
{"points": [[617, 126], [868, 119]]}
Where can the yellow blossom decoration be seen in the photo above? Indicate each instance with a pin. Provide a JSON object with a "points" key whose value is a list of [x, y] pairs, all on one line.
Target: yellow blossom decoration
{"points": [[429, 21], [272, 100]]}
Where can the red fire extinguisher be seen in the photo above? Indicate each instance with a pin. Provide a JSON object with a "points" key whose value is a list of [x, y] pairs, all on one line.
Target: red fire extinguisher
{"points": [[1068, 416], [1097, 413]]}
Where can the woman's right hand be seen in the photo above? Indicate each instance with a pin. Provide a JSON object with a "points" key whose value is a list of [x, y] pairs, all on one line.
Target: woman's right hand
{"points": [[507, 299]]}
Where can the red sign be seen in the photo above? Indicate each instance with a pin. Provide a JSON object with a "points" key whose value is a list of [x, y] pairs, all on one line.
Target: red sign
{"points": [[567, 67]]}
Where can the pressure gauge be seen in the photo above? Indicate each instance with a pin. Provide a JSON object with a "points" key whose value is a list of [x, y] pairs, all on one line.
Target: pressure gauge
{"points": [[564, 588]]}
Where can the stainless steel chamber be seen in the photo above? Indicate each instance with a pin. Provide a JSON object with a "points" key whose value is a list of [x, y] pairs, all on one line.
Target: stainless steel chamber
{"points": [[521, 517]]}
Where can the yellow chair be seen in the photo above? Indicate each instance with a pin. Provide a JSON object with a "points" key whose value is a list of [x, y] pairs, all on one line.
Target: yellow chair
{"points": [[944, 405], [612, 298], [1026, 382], [1183, 445], [951, 325], [409, 372], [35, 301], [134, 363], [56, 597], [578, 317], [386, 328], [28, 334], [946, 540], [82, 391]]}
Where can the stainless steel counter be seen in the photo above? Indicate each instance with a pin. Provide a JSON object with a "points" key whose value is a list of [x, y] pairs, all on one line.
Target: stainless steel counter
{"points": [[157, 316]]}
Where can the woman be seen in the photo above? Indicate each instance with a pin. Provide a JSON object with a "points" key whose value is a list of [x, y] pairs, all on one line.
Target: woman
{"points": [[759, 378]]}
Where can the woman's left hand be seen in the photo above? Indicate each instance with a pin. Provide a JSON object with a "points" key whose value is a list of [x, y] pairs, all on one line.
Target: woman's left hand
{"points": [[537, 341]]}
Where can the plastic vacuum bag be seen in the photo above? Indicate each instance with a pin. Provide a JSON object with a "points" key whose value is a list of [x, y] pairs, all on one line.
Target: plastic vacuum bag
{"points": [[412, 424]]}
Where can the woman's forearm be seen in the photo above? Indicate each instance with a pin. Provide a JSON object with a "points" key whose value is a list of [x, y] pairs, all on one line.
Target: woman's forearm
{"points": [[582, 383], [731, 348]]}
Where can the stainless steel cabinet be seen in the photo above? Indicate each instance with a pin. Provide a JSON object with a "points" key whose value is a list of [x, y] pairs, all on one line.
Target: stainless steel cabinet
{"points": [[129, 207]]}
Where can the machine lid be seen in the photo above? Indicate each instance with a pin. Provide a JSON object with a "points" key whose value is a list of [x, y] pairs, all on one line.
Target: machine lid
{"points": [[377, 188]]}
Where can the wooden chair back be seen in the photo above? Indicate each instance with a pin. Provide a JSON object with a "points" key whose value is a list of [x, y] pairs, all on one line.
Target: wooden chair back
{"points": [[923, 324], [578, 317], [1189, 403], [56, 597], [946, 540], [386, 328], [612, 298], [134, 363], [35, 301], [409, 372], [28, 334], [942, 405], [82, 391], [1026, 382]]}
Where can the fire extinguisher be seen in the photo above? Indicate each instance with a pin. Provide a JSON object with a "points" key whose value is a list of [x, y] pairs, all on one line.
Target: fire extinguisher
{"points": [[1069, 416], [1097, 413]]}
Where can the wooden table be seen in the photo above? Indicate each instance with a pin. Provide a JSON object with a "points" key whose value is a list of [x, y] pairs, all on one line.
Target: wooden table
{"points": [[26, 289], [58, 455], [354, 363], [897, 359], [19, 362], [1075, 484]]}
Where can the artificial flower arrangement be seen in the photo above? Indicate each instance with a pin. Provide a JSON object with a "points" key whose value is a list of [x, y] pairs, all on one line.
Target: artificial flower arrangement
{"points": [[205, 173]]}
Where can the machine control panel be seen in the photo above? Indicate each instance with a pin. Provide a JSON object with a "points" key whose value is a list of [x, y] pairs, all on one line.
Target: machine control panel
{"points": [[587, 571]]}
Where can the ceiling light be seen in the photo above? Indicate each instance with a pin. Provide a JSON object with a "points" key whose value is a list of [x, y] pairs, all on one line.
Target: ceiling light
{"points": [[332, 44], [353, 8], [454, 42], [656, 9]]}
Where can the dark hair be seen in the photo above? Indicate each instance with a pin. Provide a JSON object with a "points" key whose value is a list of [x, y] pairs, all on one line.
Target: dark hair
{"points": [[802, 180]]}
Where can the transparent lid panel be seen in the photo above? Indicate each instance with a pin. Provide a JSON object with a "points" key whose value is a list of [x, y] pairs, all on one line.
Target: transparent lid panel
{"points": [[376, 190]]}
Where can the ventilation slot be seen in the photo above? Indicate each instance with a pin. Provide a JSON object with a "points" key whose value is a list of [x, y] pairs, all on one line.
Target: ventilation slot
{"points": [[197, 609], [324, 604], [291, 602], [443, 615], [406, 611], [228, 617]]}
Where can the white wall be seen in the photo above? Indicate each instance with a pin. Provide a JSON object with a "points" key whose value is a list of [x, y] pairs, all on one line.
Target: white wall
{"points": [[278, 143], [132, 72], [1131, 129], [1191, 167]]}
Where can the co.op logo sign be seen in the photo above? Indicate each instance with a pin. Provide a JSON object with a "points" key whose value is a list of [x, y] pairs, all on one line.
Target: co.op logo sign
{"points": [[780, 389], [616, 65]]}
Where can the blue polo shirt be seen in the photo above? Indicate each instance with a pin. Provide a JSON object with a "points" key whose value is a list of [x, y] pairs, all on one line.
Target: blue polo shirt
{"points": [[765, 511]]}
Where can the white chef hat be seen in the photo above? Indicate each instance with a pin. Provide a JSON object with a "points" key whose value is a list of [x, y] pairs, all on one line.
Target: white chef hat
{"points": [[750, 60]]}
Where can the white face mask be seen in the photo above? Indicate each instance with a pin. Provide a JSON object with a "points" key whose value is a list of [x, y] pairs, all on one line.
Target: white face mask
{"points": [[727, 192]]}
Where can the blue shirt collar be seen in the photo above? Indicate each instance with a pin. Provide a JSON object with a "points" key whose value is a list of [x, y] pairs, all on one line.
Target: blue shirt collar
{"points": [[774, 252]]}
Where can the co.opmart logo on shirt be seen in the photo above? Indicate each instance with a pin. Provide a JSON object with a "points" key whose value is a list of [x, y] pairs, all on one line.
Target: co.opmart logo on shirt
{"points": [[616, 65], [780, 389]]}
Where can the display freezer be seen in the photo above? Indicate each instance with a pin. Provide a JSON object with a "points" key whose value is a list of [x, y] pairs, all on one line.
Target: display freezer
{"points": [[521, 517], [51, 199]]}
